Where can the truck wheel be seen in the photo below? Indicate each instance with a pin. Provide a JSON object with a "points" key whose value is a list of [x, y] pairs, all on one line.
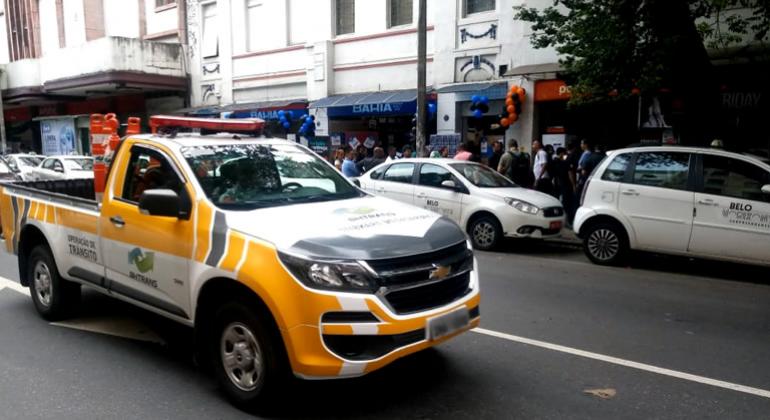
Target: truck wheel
{"points": [[54, 297], [485, 233], [247, 358], [605, 244]]}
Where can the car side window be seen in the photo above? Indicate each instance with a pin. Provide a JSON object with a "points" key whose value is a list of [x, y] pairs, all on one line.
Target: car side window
{"points": [[48, 164], [377, 174], [148, 170], [662, 169], [57, 166], [616, 170], [399, 172], [734, 178], [434, 175]]}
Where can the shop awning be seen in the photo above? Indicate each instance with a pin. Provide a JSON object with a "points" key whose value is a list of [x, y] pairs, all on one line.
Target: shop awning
{"points": [[266, 110], [391, 103], [489, 89]]}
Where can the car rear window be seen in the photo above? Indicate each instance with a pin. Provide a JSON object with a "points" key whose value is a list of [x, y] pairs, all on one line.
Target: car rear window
{"points": [[662, 169]]}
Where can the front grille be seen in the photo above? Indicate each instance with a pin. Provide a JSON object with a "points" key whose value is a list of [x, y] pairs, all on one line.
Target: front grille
{"points": [[553, 211], [429, 296]]}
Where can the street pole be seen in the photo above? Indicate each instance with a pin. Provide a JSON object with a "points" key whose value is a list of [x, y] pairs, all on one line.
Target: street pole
{"points": [[422, 42]]}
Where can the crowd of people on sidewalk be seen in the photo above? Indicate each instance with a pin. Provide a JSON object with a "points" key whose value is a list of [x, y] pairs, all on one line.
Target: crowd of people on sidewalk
{"points": [[560, 172]]}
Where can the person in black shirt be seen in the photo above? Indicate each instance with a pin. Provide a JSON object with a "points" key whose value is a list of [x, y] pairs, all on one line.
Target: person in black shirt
{"points": [[497, 153]]}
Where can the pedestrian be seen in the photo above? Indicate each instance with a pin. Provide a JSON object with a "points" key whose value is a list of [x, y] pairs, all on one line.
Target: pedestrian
{"points": [[463, 153], [560, 173], [339, 156], [367, 164], [435, 154], [571, 199], [444, 152], [349, 168], [540, 168], [392, 153], [582, 173], [407, 152], [361, 153], [515, 165], [497, 153]]}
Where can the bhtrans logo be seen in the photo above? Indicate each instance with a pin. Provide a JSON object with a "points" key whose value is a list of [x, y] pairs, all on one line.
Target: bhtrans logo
{"points": [[144, 262]]}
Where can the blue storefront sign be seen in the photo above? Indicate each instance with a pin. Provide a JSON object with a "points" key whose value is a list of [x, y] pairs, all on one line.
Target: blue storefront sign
{"points": [[268, 115], [374, 110]]}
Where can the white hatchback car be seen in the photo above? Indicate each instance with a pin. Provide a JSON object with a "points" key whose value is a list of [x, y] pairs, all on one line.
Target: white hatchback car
{"points": [[24, 164], [63, 167], [677, 200], [487, 205]]}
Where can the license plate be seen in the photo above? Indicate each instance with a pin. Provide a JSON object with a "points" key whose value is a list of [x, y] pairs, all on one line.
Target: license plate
{"points": [[444, 325], [555, 225]]}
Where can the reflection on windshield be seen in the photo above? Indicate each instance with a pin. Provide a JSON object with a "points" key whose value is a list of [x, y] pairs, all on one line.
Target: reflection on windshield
{"points": [[79, 164], [481, 176], [251, 176]]}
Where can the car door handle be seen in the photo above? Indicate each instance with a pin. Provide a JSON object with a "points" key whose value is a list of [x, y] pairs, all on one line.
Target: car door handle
{"points": [[707, 202], [421, 195], [634, 193], [117, 221]]}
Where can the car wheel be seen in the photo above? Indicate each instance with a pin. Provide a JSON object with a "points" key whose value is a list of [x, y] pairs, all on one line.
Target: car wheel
{"points": [[606, 244], [485, 233], [247, 358], [54, 297]]}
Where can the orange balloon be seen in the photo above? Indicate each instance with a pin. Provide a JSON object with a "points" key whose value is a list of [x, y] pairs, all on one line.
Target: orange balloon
{"points": [[509, 102], [511, 109], [522, 92], [514, 89], [505, 122], [513, 118]]}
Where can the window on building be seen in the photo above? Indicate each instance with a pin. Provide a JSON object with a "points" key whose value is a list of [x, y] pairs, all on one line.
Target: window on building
{"points": [[662, 169], [345, 13], [161, 3], [400, 12], [210, 43], [477, 6], [254, 11]]}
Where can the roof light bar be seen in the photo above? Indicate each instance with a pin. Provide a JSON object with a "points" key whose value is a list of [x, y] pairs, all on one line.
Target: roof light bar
{"points": [[249, 125]]}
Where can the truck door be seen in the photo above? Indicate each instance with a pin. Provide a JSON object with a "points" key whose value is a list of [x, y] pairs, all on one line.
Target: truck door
{"points": [[146, 256]]}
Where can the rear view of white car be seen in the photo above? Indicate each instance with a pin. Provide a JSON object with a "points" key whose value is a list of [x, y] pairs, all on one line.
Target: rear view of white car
{"points": [[677, 200], [23, 164], [64, 167], [485, 204]]}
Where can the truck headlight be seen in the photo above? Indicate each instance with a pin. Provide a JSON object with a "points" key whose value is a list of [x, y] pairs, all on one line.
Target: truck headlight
{"points": [[522, 206], [342, 276]]}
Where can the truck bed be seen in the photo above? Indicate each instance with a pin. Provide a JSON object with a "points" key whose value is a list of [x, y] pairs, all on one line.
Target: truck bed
{"points": [[74, 192]]}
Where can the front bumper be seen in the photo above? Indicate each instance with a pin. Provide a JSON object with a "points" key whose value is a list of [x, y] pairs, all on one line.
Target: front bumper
{"points": [[534, 226], [362, 334]]}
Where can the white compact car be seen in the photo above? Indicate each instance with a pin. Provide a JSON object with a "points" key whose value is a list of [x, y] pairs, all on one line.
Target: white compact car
{"points": [[63, 167], [486, 204], [23, 164], [677, 200]]}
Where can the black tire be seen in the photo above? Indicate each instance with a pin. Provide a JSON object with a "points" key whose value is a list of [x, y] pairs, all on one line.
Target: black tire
{"points": [[54, 297], [485, 232], [606, 243], [251, 390]]}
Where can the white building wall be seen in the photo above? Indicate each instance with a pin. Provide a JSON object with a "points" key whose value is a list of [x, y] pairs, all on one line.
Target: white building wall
{"points": [[157, 21], [121, 18], [4, 54], [49, 27], [74, 27]]}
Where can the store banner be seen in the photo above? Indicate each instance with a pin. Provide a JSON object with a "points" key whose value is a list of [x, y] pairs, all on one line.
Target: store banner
{"points": [[374, 110], [58, 136]]}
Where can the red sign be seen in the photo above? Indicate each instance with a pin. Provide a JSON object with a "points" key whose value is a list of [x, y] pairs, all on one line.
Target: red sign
{"points": [[17, 114], [551, 90]]}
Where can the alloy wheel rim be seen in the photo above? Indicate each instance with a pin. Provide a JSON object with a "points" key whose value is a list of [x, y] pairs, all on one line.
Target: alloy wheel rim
{"points": [[603, 244], [241, 357], [42, 280], [484, 234]]}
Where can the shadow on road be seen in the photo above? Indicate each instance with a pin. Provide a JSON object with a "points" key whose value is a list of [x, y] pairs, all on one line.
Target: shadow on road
{"points": [[698, 267]]}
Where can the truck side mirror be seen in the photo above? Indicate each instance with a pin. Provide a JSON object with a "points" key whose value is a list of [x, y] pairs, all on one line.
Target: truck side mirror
{"points": [[160, 202], [766, 189]]}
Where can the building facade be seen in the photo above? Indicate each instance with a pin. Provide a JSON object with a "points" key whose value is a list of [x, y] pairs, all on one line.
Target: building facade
{"points": [[352, 64], [66, 59]]}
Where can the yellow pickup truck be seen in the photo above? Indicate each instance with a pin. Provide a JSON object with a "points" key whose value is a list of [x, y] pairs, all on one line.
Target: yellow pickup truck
{"points": [[279, 263]]}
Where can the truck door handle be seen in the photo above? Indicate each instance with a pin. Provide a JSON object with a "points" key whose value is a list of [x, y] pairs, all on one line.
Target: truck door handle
{"points": [[635, 193], [707, 202], [117, 221]]}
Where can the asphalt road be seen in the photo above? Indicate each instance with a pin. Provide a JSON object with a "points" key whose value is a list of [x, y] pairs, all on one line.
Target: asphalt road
{"points": [[664, 338]]}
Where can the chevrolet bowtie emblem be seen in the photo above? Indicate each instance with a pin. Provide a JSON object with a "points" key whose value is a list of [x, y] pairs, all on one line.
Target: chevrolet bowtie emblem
{"points": [[440, 272]]}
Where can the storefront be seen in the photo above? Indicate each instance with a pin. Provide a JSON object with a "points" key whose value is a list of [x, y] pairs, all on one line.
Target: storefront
{"points": [[376, 119]]}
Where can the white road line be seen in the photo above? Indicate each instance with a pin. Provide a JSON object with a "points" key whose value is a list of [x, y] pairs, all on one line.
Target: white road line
{"points": [[627, 363], [4, 282]]}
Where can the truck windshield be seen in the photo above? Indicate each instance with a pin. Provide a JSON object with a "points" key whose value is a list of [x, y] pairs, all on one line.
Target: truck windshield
{"points": [[252, 176]]}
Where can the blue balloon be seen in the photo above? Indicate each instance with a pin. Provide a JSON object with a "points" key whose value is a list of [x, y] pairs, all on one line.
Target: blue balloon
{"points": [[484, 100], [475, 98], [281, 113], [286, 125], [478, 114]]}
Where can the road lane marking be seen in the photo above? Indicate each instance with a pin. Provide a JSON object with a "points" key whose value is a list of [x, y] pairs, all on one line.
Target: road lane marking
{"points": [[627, 363], [10, 284]]}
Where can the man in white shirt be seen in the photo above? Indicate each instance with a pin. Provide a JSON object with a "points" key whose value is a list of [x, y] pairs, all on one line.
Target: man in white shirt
{"points": [[540, 169]]}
